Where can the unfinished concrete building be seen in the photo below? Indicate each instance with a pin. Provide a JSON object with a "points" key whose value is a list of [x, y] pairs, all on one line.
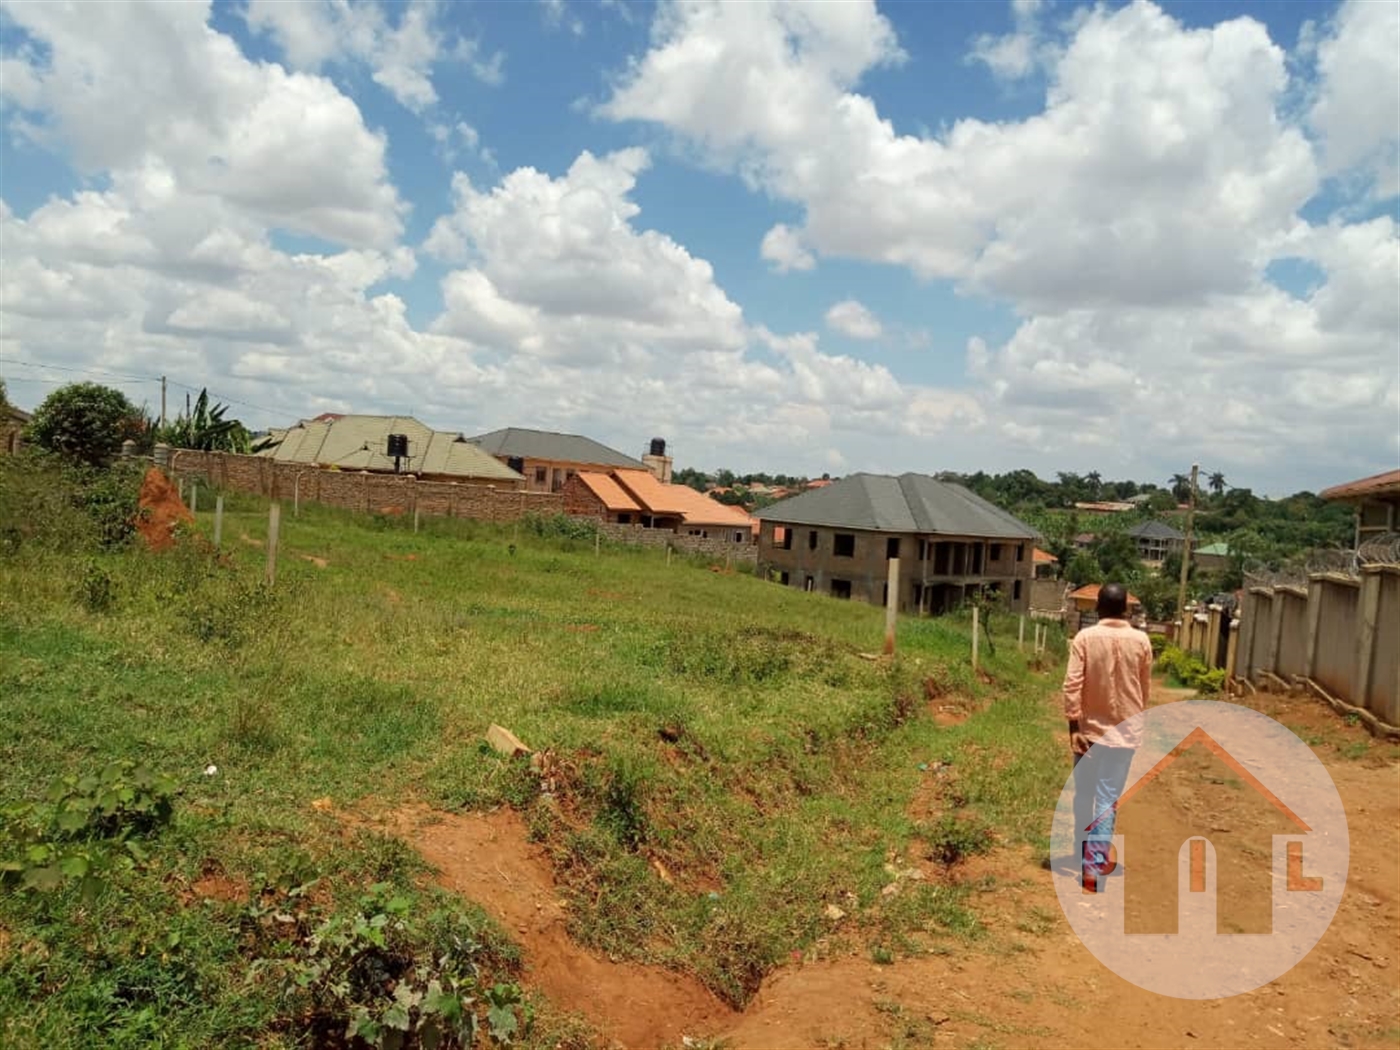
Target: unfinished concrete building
{"points": [[951, 543]]}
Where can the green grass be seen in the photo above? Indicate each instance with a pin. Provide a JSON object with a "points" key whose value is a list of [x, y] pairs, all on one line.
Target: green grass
{"points": [[725, 726]]}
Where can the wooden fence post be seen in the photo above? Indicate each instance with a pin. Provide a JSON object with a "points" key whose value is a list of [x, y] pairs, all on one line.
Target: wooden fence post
{"points": [[892, 609], [415, 512], [182, 490], [218, 521], [274, 523], [597, 542], [194, 496], [1021, 634]]}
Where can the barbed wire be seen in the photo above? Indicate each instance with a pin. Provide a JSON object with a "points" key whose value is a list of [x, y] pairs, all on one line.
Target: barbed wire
{"points": [[1377, 550]]}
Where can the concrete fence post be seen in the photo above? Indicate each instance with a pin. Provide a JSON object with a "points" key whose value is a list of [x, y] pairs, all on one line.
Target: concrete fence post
{"points": [[1314, 625], [976, 625], [182, 490], [1367, 624], [218, 521], [892, 610], [274, 525], [194, 495], [1021, 635]]}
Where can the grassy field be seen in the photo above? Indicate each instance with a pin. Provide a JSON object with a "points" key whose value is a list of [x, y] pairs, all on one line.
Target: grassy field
{"points": [[723, 728]]}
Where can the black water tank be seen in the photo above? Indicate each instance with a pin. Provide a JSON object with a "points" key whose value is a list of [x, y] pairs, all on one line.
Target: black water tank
{"points": [[398, 445], [658, 446]]}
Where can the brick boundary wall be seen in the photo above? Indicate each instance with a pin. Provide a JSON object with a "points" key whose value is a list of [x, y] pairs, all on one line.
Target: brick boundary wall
{"points": [[363, 491], [712, 547]]}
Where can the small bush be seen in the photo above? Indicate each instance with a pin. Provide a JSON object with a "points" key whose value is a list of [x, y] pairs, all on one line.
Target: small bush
{"points": [[89, 827], [559, 526], [95, 588], [1190, 672]]}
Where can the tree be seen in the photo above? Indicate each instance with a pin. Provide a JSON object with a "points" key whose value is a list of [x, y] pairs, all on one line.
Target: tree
{"points": [[204, 428], [1083, 568], [4, 396], [1181, 487], [1117, 555], [84, 422], [1217, 483], [1095, 480]]}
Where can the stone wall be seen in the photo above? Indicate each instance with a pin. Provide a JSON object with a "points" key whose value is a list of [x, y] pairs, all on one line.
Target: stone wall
{"points": [[365, 492]]}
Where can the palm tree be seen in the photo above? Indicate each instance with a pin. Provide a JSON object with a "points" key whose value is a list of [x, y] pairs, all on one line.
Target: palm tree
{"points": [[1181, 487], [1217, 483], [1095, 479]]}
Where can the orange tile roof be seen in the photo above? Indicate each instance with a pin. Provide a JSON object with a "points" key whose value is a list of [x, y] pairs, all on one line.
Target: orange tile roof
{"points": [[1091, 592], [698, 509], [1041, 557], [654, 497], [609, 491], [1376, 485], [820, 483]]}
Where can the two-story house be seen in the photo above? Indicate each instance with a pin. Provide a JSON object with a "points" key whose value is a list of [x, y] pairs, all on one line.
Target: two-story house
{"points": [[951, 543]]}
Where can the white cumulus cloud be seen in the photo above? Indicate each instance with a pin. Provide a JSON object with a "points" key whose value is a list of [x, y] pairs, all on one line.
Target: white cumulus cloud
{"points": [[852, 318]]}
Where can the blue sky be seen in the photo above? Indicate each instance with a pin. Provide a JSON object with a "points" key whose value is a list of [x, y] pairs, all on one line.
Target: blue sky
{"points": [[797, 237]]}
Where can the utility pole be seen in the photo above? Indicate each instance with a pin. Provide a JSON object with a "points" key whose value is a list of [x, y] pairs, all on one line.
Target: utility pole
{"points": [[1186, 551], [162, 400]]}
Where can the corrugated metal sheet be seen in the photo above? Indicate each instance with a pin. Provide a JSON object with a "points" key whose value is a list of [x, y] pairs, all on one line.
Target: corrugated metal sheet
{"points": [[1387, 483], [609, 491], [654, 496], [546, 444], [359, 443]]}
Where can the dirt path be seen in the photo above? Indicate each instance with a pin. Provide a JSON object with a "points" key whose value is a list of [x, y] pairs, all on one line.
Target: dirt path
{"points": [[488, 857], [1035, 985]]}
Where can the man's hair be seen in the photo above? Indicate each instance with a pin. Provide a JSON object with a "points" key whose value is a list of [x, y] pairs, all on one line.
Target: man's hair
{"points": [[1113, 601]]}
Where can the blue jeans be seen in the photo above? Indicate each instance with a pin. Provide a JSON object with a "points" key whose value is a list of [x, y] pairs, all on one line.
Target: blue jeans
{"points": [[1099, 778]]}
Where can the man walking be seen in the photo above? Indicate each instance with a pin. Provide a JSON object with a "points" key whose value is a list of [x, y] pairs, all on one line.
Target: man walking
{"points": [[1107, 682]]}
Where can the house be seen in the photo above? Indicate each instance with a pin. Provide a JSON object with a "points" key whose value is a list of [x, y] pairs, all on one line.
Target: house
{"points": [[12, 424], [1083, 612], [1213, 557], [838, 540], [354, 442], [1106, 507], [1044, 565], [638, 497], [548, 459], [1155, 540], [1376, 501], [1084, 540]]}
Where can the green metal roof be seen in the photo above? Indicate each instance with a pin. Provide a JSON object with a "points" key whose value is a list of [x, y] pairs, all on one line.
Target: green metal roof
{"points": [[545, 444], [1220, 549], [907, 503], [359, 443]]}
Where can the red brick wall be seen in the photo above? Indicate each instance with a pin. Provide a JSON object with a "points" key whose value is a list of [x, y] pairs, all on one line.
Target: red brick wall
{"points": [[580, 500], [365, 492]]}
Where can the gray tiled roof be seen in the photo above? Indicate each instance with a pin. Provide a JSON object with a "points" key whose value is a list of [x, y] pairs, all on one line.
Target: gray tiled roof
{"points": [[545, 444], [1154, 530], [908, 503]]}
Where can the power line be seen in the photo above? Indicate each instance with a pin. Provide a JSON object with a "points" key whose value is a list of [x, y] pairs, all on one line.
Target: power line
{"points": [[138, 379]]}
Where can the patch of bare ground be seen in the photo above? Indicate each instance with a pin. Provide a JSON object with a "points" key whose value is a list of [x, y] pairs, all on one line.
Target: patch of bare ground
{"points": [[488, 858], [1028, 982]]}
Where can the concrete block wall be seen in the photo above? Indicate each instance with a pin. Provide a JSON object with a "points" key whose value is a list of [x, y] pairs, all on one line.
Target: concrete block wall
{"points": [[364, 492], [710, 547], [1338, 633]]}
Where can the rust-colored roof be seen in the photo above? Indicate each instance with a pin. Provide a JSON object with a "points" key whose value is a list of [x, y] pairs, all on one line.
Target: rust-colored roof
{"points": [[655, 498], [1090, 591], [1041, 557], [820, 483], [608, 490], [699, 509], [1387, 484]]}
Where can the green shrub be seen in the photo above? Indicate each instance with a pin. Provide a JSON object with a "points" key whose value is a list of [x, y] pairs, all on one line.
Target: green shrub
{"points": [[376, 975], [559, 526], [1189, 671], [88, 826], [95, 588]]}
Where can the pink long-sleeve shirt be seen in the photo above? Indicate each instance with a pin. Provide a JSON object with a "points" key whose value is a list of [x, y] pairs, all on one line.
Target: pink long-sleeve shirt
{"points": [[1108, 681]]}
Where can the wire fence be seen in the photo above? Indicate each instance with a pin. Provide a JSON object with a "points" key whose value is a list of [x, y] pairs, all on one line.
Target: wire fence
{"points": [[1377, 550]]}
